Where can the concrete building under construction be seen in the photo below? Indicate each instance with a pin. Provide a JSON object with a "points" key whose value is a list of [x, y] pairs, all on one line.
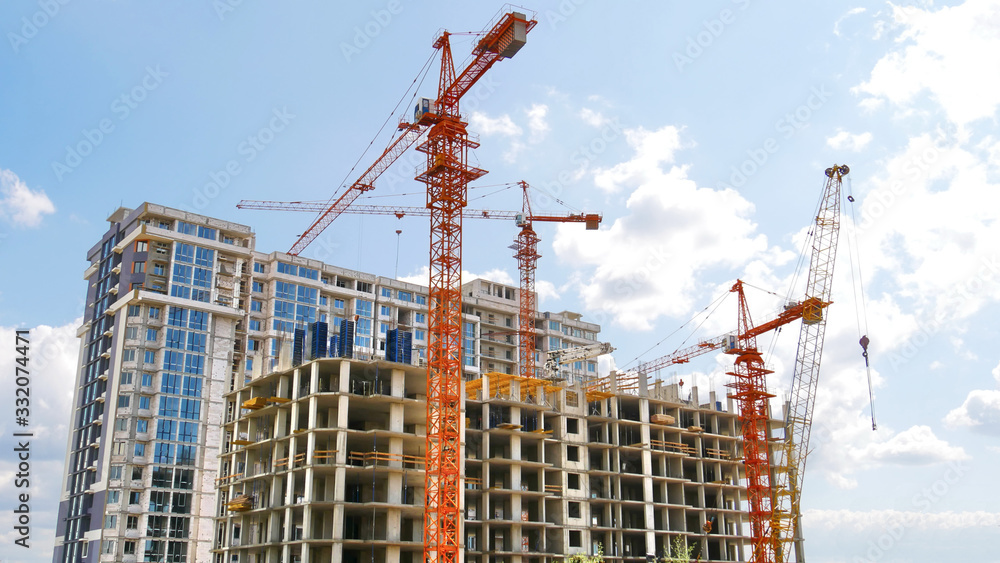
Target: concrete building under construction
{"points": [[233, 405], [324, 462]]}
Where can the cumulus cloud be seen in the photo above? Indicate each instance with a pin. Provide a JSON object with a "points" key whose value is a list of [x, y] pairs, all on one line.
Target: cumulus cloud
{"points": [[844, 141], [673, 231], [980, 411], [486, 125], [944, 53], [915, 446], [537, 123], [20, 204], [652, 149]]}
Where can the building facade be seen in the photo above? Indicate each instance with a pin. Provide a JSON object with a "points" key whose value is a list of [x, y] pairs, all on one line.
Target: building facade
{"points": [[324, 462], [183, 311]]}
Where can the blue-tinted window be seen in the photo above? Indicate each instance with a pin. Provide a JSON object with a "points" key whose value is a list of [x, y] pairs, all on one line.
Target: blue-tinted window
{"points": [[185, 456], [259, 268], [147, 380], [199, 320], [196, 342], [182, 273], [192, 386], [202, 277], [175, 338], [183, 252], [163, 453], [254, 324], [142, 425], [170, 383], [363, 307], [338, 303], [188, 432], [384, 311], [194, 364], [149, 357], [140, 449], [421, 299], [284, 290], [386, 292], [166, 429], [169, 406], [420, 318], [173, 361], [205, 232], [186, 228], [190, 409], [177, 317], [256, 306], [144, 401], [306, 295]]}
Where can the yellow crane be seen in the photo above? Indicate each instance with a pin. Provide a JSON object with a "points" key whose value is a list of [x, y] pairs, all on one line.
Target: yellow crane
{"points": [[791, 457]]}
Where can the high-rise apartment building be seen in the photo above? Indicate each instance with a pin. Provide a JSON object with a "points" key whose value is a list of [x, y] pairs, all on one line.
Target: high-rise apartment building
{"points": [[183, 311]]}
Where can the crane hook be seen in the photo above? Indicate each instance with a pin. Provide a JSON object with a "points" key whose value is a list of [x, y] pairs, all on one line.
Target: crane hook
{"points": [[864, 347]]}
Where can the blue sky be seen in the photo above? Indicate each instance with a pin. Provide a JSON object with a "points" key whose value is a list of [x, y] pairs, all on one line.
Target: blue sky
{"points": [[700, 131]]}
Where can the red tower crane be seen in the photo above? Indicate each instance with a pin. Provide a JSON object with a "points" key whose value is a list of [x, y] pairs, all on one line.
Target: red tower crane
{"points": [[447, 174]]}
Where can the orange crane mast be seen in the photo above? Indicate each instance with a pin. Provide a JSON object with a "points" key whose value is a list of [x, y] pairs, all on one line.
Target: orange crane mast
{"points": [[447, 174]]}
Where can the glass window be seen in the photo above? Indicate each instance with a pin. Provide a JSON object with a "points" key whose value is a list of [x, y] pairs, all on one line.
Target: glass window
{"points": [[142, 424], [144, 402], [141, 246], [126, 378], [166, 429], [420, 318], [140, 449], [147, 379], [386, 292], [421, 299], [152, 334]]}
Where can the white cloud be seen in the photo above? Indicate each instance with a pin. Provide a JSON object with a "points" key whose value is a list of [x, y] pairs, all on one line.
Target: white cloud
{"points": [[593, 118], [980, 411], [537, 123], [867, 520], [652, 150], [930, 223], [20, 204], [846, 141], [915, 446], [546, 291], [486, 125], [673, 231], [946, 53]]}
